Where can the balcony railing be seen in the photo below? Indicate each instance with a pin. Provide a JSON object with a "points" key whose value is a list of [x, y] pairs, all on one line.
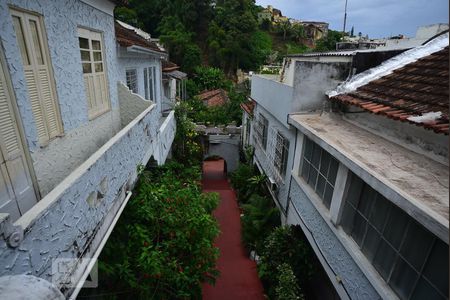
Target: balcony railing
{"points": [[73, 221]]}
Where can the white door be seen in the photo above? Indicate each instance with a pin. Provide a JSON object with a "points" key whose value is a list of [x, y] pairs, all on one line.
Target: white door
{"points": [[17, 194]]}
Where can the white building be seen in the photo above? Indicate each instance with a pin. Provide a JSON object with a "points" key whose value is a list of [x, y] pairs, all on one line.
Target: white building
{"points": [[71, 132], [367, 173]]}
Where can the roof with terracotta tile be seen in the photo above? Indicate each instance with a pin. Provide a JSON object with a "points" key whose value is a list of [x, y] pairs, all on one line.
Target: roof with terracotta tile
{"points": [[127, 37], [416, 93], [214, 97], [168, 66], [249, 106]]}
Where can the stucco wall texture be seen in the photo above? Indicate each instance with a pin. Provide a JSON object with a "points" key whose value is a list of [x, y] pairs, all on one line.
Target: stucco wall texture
{"points": [[264, 159], [342, 264], [68, 223], [62, 37], [131, 105]]}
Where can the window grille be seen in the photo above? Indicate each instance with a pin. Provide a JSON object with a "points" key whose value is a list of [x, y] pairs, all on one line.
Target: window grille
{"points": [[319, 169], [412, 260], [131, 76], [281, 154], [261, 130], [150, 83]]}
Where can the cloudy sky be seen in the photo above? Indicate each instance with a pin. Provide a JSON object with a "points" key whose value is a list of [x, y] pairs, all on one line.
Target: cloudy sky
{"points": [[377, 18]]}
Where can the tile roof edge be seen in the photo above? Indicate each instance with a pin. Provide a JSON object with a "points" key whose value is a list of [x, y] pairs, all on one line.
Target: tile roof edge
{"points": [[390, 65]]}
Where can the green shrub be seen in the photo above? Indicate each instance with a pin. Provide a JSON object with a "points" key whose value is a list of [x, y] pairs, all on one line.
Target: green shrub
{"points": [[260, 218], [162, 247], [287, 288], [284, 245]]}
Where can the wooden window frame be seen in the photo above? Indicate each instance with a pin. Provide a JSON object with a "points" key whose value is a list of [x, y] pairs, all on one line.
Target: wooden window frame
{"points": [[45, 137], [89, 78]]}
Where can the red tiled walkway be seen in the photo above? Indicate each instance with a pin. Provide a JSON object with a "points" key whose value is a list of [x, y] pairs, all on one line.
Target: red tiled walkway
{"points": [[238, 276]]}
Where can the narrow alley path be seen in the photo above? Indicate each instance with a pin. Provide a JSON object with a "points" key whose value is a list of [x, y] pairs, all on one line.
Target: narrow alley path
{"points": [[238, 275]]}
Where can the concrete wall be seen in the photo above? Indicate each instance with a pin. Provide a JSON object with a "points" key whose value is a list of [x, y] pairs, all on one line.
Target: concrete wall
{"points": [[166, 135], [410, 136], [273, 95], [131, 104], [138, 62], [70, 221], [337, 259], [227, 147], [264, 159], [312, 80], [81, 136]]}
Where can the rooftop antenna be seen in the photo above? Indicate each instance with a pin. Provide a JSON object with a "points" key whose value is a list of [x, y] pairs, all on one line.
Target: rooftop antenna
{"points": [[345, 17]]}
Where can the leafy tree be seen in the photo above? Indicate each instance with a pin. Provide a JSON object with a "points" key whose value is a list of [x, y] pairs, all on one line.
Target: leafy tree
{"points": [[230, 31], [287, 288], [298, 32], [328, 43], [127, 15], [284, 28]]}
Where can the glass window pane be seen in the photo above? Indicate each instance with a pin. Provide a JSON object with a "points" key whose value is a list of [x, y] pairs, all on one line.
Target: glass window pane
{"points": [[403, 279], [359, 229], [85, 55], [36, 44], [347, 218], [367, 199], [305, 169], [325, 163], [396, 226], [316, 156], [436, 268], [384, 259], [87, 68], [146, 84], [320, 188], [308, 148], [97, 56], [379, 212], [98, 67], [417, 245], [354, 191], [84, 43], [424, 290], [334, 165], [328, 195], [312, 178], [96, 45], [371, 242], [21, 40]]}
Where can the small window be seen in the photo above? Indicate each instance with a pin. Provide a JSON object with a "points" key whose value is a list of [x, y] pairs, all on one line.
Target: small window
{"points": [[94, 75], [262, 129], [150, 83], [412, 260], [281, 154], [319, 169], [132, 80]]}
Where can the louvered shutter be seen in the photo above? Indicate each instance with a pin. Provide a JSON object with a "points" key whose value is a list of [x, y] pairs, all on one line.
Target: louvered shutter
{"points": [[37, 68]]}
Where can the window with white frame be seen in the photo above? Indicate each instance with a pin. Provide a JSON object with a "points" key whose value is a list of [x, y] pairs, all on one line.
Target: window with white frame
{"points": [[150, 83], [281, 154], [94, 73], [30, 34], [131, 77], [412, 260], [319, 169], [261, 131]]}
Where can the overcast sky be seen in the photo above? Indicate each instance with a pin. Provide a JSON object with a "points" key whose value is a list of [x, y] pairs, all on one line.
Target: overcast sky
{"points": [[377, 18]]}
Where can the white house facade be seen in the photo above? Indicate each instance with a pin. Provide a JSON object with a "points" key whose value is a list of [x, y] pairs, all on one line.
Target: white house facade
{"points": [[71, 133], [367, 176]]}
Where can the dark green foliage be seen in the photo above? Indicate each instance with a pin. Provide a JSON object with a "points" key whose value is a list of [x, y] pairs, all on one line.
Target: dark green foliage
{"points": [[284, 245], [260, 217], [162, 247], [287, 288], [209, 78], [127, 15], [329, 43]]}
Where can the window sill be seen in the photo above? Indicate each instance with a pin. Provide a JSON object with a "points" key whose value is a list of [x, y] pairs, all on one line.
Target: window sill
{"points": [[378, 283]]}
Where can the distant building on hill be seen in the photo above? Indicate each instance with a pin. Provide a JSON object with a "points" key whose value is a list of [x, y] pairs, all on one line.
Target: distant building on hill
{"points": [[212, 98]]}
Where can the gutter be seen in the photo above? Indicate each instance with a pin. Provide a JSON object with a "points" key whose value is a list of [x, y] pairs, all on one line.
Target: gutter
{"points": [[93, 259], [143, 50]]}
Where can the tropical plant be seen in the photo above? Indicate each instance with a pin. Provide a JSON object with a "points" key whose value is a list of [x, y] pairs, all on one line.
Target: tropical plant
{"points": [[287, 288], [169, 234]]}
